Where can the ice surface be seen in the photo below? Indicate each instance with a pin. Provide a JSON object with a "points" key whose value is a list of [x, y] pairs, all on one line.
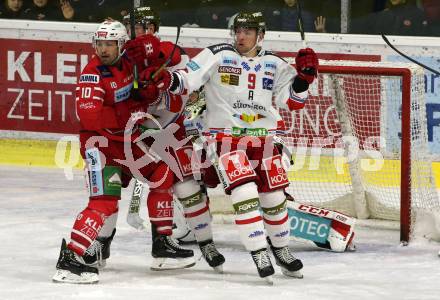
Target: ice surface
{"points": [[38, 207]]}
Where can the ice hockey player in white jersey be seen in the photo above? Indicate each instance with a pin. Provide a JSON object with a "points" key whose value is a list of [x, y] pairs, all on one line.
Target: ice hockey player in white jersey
{"points": [[241, 82]]}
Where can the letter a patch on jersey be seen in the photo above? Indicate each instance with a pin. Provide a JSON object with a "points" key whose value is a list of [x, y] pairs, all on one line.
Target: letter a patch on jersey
{"points": [[236, 166]]}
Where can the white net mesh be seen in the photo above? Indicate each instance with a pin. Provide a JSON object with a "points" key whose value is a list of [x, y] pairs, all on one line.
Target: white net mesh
{"points": [[346, 144]]}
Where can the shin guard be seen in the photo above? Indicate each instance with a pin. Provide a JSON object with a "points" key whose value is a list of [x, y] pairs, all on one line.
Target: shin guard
{"points": [[275, 216], [247, 216], [89, 223], [196, 208]]}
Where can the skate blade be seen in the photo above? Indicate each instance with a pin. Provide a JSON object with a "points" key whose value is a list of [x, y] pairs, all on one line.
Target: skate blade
{"points": [[164, 263], [65, 276], [219, 269], [268, 279], [98, 264], [351, 248], [295, 274]]}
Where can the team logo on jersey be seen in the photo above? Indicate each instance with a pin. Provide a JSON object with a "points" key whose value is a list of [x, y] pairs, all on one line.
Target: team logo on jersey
{"points": [[267, 73], [275, 173], [270, 65], [254, 106], [230, 61], [236, 166], [193, 65], [230, 79], [95, 176], [92, 78], [245, 66], [230, 70], [267, 84], [234, 79], [248, 118], [220, 47], [123, 93], [257, 68]]}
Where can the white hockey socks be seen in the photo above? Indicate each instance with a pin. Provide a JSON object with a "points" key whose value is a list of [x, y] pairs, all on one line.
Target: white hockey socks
{"points": [[274, 208], [248, 217], [196, 208], [109, 225]]}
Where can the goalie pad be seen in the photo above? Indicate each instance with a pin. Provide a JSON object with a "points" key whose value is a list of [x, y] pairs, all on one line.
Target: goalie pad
{"points": [[325, 228]]}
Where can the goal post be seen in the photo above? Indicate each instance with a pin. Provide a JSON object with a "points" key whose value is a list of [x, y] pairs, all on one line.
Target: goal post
{"points": [[363, 102]]}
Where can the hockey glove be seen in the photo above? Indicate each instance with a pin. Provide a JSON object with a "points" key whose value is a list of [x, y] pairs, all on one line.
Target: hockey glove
{"points": [[149, 94], [142, 49], [163, 78], [307, 64]]}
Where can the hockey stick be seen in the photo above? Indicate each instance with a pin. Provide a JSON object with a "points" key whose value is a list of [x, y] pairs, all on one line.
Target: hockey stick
{"points": [[134, 4], [167, 62], [300, 24], [133, 218], [407, 57]]}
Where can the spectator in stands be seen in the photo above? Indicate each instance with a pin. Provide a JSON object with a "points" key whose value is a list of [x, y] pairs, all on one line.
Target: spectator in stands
{"points": [[172, 14], [432, 15], [285, 18], [43, 10], [400, 17], [79, 10], [12, 9], [214, 14]]}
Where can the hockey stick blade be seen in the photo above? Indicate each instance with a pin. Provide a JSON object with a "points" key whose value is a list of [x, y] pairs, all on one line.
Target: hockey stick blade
{"points": [[407, 57], [133, 218]]}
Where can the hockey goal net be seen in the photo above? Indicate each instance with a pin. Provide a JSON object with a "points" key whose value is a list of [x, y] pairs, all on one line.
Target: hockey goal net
{"points": [[360, 145]]}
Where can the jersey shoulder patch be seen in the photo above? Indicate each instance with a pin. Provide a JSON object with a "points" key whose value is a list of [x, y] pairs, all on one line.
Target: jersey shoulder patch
{"points": [[270, 53], [221, 47]]}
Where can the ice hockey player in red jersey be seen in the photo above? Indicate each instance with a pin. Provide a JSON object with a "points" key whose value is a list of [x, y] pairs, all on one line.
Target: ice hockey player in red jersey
{"points": [[241, 82], [105, 107], [168, 110], [147, 21]]}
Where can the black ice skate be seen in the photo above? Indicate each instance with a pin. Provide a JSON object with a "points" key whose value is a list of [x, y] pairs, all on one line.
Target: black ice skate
{"points": [[98, 252], [214, 258], [264, 266], [290, 266], [72, 269], [168, 255]]}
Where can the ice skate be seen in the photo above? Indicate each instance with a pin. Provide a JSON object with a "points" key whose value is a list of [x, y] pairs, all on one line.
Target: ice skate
{"points": [[264, 266], [290, 266], [168, 255], [71, 268], [214, 258], [99, 251]]}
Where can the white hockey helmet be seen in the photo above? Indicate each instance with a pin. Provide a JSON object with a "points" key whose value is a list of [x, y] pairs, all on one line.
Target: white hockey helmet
{"points": [[111, 30]]}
